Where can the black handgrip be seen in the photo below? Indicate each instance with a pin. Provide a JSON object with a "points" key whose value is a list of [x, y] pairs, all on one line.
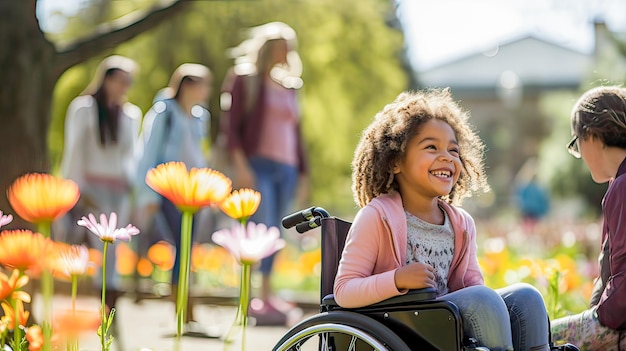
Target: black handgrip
{"points": [[297, 217], [304, 227]]}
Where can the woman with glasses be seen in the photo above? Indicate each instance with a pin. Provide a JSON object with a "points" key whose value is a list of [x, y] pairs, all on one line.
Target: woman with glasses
{"points": [[599, 138]]}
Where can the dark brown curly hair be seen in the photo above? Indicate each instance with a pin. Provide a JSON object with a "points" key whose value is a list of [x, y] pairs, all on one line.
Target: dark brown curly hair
{"points": [[384, 142], [601, 113]]}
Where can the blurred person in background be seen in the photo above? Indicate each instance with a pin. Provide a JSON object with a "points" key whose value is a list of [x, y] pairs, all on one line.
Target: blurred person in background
{"points": [[101, 130], [261, 136], [599, 138], [531, 198], [174, 129]]}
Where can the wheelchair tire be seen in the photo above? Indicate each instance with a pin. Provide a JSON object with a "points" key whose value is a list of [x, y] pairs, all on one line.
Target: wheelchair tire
{"points": [[364, 333]]}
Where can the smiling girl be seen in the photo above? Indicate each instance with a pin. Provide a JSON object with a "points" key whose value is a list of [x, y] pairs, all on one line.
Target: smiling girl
{"points": [[417, 160]]}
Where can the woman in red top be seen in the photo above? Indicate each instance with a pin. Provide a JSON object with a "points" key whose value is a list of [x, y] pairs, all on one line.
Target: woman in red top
{"points": [[261, 125]]}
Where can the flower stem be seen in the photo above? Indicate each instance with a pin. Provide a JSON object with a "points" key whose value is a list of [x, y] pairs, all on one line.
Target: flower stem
{"points": [[244, 300], [103, 322], [17, 332], [241, 318], [47, 291], [73, 344], [183, 279]]}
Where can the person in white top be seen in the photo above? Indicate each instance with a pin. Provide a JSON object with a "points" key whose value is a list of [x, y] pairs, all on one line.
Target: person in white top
{"points": [[101, 132]]}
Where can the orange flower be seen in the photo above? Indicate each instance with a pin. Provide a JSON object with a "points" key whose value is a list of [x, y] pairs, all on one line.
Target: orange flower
{"points": [[9, 286], [73, 323], [42, 198], [198, 257], [22, 249], [95, 257], [34, 335], [210, 258], [126, 259], [189, 190], [241, 204], [144, 267], [4, 326], [9, 312], [162, 255]]}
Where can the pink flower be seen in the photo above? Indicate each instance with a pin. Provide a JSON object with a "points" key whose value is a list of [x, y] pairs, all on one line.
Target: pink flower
{"points": [[74, 260], [5, 219], [106, 230], [251, 244]]}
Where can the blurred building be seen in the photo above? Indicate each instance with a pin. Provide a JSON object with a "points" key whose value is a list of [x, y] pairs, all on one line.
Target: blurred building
{"points": [[502, 87]]}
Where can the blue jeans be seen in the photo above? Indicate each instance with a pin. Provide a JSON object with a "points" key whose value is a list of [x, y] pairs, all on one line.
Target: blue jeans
{"points": [[277, 184], [511, 318]]}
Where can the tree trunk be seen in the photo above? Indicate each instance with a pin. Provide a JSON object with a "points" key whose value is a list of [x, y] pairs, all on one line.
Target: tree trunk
{"points": [[30, 65], [26, 66]]}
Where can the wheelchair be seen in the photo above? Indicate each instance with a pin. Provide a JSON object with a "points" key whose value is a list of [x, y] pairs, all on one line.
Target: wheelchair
{"points": [[410, 322]]}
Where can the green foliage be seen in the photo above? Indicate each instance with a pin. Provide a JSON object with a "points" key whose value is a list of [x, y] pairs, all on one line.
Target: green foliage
{"points": [[108, 338], [351, 59], [567, 176], [553, 305]]}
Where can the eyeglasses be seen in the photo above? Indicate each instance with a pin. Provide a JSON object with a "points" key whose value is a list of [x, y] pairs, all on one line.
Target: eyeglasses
{"points": [[572, 147]]}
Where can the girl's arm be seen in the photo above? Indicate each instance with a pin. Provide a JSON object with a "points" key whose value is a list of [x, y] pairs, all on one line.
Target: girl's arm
{"points": [[473, 275], [356, 285]]}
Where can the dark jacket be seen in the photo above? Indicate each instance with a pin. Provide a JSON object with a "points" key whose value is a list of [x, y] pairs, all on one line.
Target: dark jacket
{"points": [[611, 306]]}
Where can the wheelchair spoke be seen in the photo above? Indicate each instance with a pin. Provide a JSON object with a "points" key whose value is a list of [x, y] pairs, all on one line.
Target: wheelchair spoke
{"points": [[352, 343], [324, 342], [333, 337]]}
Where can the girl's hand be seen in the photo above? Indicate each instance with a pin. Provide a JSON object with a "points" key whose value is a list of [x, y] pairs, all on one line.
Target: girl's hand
{"points": [[415, 276]]}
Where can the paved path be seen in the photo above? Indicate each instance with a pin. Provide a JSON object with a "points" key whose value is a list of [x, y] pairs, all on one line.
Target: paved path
{"points": [[147, 325]]}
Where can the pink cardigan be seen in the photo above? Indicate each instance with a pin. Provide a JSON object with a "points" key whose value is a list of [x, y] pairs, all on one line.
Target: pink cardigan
{"points": [[376, 247]]}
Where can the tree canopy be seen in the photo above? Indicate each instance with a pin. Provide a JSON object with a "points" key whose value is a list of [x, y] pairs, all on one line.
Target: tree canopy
{"points": [[30, 65], [351, 58]]}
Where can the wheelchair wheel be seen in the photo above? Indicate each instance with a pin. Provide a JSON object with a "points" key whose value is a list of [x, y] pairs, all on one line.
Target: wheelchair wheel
{"points": [[340, 331]]}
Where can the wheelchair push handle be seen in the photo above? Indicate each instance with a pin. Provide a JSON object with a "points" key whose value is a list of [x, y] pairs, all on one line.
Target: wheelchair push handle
{"points": [[306, 219], [304, 227], [297, 217]]}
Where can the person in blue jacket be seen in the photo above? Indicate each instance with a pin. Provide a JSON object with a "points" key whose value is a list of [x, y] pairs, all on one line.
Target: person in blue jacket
{"points": [[174, 129]]}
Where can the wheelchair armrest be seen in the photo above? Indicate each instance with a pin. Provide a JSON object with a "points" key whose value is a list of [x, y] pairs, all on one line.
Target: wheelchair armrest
{"points": [[416, 295]]}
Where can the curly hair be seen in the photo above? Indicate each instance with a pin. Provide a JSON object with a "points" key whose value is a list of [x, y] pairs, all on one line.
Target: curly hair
{"points": [[384, 142], [601, 113]]}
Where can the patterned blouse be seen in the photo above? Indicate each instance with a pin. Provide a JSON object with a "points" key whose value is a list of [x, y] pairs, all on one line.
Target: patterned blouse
{"points": [[432, 244]]}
